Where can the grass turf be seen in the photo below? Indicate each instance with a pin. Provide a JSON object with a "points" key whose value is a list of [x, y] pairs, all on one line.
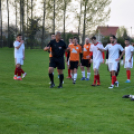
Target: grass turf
{"points": [[31, 107]]}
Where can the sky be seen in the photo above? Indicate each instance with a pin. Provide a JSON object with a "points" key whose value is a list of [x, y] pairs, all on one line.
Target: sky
{"points": [[122, 14]]}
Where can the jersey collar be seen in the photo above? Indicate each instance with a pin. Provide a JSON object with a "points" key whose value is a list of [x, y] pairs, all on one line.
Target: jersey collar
{"points": [[96, 44]]}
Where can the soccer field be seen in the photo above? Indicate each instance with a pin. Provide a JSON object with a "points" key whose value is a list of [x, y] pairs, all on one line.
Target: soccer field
{"points": [[31, 107]]}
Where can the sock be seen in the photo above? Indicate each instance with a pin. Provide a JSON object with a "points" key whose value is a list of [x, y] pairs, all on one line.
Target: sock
{"points": [[128, 74], [113, 79], [16, 71], [61, 79], [51, 76], [95, 78], [98, 78], [75, 76], [22, 71], [19, 72], [69, 75], [83, 74], [72, 75], [88, 75]]}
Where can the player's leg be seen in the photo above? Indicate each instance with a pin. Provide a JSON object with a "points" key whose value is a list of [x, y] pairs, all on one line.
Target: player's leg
{"points": [[22, 71], [75, 75], [128, 72], [16, 70], [95, 77], [69, 71], [82, 72], [88, 65], [51, 76]]}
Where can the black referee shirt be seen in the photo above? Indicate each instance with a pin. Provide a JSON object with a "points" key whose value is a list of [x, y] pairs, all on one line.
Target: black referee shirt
{"points": [[58, 48]]}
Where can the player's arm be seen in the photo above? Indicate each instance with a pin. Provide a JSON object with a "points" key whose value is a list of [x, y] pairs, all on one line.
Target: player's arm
{"points": [[132, 52], [121, 56], [23, 52], [101, 49], [17, 47], [47, 48]]}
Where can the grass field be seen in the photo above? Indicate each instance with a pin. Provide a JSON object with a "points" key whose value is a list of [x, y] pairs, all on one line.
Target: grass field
{"points": [[31, 107]]}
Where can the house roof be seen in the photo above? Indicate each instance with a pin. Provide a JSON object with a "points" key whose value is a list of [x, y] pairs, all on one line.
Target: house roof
{"points": [[106, 31]]}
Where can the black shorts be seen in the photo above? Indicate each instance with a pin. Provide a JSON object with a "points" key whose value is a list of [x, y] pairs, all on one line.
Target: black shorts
{"points": [[57, 62], [86, 63], [74, 64]]}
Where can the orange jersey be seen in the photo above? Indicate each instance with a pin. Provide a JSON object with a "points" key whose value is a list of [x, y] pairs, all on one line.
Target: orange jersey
{"points": [[75, 52], [86, 51], [50, 54]]}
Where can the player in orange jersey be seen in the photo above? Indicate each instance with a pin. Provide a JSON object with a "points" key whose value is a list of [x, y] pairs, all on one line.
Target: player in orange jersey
{"points": [[86, 60], [75, 50]]}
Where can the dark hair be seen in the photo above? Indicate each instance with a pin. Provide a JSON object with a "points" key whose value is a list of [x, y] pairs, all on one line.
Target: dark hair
{"points": [[113, 36], [19, 34], [75, 37], [127, 39], [71, 38], [93, 38]]}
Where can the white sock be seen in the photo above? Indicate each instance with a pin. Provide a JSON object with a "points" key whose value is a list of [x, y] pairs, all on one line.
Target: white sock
{"points": [[83, 74], [15, 75], [72, 75], [75, 76], [19, 77], [88, 75]]}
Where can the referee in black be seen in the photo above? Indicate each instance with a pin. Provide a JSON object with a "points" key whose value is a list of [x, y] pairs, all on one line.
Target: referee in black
{"points": [[58, 50]]}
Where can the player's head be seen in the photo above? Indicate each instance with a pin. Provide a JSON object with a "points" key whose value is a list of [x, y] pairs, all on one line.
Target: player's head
{"points": [[94, 40], [112, 39], [75, 40], [127, 41], [58, 35], [115, 40], [19, 37], [52, 37], [70, 40], [87, 40]]}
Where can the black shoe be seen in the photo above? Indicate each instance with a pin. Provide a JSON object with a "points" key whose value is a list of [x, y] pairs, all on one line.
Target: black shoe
{"points": [[126, 96], [74, 81], [52, 85], [60, 86], [132, 99], [93, 85]]}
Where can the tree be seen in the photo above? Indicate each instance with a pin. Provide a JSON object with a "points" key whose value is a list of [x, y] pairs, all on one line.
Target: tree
{"points": [[8, 22], [43, 23], [122, 32], [94, 14], [1, 33]]}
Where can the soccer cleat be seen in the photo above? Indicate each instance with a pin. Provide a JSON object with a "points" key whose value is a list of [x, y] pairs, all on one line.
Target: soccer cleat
{"points": [[111, 87], [93, 85], [126, 96], [87, 79], [68, 77], [74, 81], [15, 77], [24, 75], [132, 97], [83, 78], [98, 84], [52, 85], [19, 79], [116, 84], [60, 86], [127, 81]]}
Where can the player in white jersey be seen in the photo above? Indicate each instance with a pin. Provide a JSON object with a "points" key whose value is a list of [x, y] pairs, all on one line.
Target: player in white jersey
{"points": [[98, 58], [113, 49], [19, 55], [128, 64]]}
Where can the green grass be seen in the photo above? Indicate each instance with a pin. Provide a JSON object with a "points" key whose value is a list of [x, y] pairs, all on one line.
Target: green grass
{"points": [[31, 107]]}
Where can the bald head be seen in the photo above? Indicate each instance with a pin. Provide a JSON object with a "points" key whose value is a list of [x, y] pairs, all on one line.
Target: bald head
{"points": [[87, 40]]}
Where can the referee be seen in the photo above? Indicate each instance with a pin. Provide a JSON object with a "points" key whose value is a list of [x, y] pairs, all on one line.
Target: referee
{"points": [[58, 47]]}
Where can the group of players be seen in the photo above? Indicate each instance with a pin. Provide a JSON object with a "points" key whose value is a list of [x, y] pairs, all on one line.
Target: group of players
{"points": [[77, 55]]}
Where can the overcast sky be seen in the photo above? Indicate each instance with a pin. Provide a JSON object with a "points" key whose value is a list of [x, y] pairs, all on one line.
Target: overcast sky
{"points": [[122, 14]]}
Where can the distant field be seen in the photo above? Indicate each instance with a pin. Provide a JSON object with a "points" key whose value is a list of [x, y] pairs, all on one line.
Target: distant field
{"points": [[31, 107]]}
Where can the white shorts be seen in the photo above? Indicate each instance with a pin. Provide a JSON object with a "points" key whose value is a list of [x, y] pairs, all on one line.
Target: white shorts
{"points": [[19, 61], [128, 64], [113, 66], [96, 65]]}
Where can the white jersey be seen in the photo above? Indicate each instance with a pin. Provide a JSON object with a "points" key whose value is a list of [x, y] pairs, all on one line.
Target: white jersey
{"points": [[128, 50], [97, 54], [18, 53], [113, 51]]}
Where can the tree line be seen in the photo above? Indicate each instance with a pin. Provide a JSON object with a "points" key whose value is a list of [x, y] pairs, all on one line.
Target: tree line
{"points": [[37, 24]]}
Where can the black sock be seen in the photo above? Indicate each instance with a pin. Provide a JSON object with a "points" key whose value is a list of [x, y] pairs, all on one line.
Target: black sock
{"points": [[61, 78], [51, 76]]}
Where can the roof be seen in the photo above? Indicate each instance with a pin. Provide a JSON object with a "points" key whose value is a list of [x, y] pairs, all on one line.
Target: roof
{"points": [[106, 31]]}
